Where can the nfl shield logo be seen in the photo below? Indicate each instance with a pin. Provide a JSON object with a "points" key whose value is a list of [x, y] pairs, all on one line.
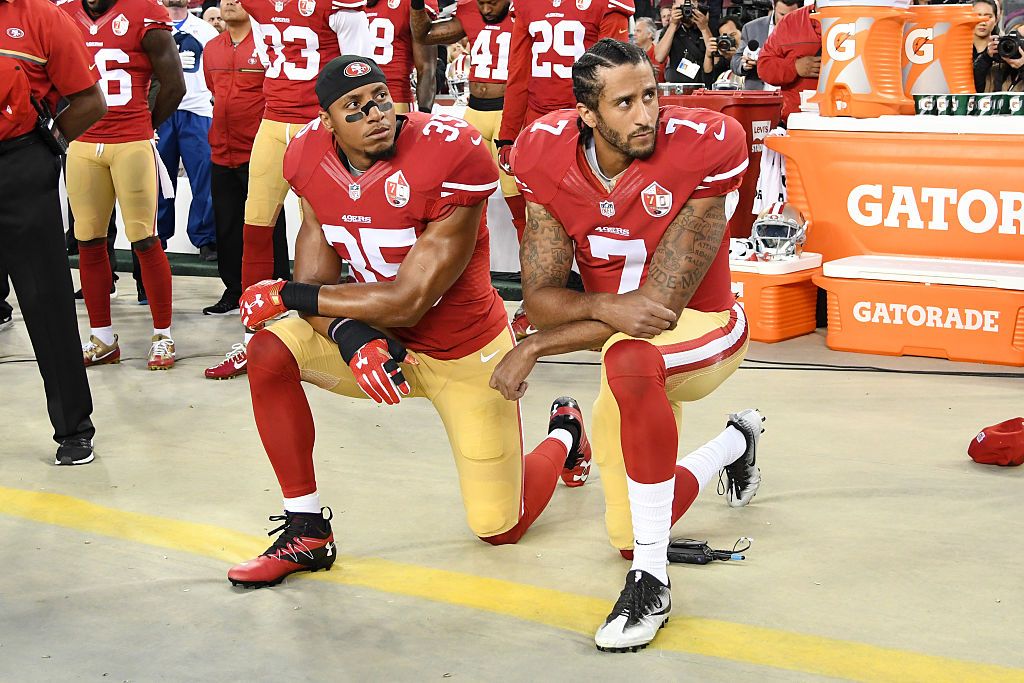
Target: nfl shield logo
{"points": [[396, 189], [354, 191], [279, 6], [306, 7], [120, 25], [607, 209], [656, 199]]}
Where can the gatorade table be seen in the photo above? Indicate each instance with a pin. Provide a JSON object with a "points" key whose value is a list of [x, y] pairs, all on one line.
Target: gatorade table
{"points": [[941, 199]]}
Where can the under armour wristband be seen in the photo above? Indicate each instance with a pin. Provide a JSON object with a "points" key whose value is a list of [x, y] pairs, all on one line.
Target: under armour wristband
{"points": [[351, 335], [417, 4], [302, 297]]}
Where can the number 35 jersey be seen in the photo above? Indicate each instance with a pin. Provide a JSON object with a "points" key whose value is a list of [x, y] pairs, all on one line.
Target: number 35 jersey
{"points": [[374, 220], [698, 153], [294, 40], [115, 42]]}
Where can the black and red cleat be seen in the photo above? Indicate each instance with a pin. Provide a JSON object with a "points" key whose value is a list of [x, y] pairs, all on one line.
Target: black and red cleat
{"points": [[565, 414], [306, 544]]}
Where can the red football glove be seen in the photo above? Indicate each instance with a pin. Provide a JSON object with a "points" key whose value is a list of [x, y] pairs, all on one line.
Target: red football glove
{"points": [[504, 155], [374, 360], [261, 302]]}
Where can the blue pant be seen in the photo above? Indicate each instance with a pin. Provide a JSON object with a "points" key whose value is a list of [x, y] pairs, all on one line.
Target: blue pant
{"points": [[185, 137]]}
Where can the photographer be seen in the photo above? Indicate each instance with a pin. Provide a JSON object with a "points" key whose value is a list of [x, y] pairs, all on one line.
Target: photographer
{"points": [[744, 62], [986, 9], [684, 41], [720, 52], [998, 68]]}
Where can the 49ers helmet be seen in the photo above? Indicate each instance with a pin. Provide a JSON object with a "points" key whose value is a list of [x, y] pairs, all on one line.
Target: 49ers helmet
{"points": [[779, 232]]}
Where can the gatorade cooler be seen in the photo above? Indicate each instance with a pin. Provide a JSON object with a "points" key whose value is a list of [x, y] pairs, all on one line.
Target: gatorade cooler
{"points": [[778, 296], [942, 308], [937, 41], [861, 58], [758, 112]]}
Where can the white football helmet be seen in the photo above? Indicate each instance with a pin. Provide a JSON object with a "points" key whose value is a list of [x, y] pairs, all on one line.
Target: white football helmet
{"points": [[457, 74], [740, 249], [779, 233]]}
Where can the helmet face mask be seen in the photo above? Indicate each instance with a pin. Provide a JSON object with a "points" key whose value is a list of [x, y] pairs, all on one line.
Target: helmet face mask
{"points": [[779, 233]]}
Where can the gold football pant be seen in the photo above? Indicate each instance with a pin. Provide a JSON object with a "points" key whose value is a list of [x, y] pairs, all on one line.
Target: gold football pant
{"points": [[97, 173], [489, 123], [699, 354], [267, 186], [483, 428]]}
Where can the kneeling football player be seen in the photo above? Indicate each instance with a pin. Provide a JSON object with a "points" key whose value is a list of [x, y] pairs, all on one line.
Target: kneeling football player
{"points": [[637, 194], [400, 199]]}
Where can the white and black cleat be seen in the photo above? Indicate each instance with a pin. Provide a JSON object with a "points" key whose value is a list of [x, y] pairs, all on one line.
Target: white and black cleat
{"points": [[743, 476], [641, 610]]}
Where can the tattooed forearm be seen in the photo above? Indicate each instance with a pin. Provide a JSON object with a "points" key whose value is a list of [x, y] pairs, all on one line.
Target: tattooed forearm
{"points": [[685, 252], [546, 251]]}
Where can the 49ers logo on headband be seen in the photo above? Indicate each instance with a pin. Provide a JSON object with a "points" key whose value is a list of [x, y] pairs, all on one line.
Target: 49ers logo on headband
{"points": [[657, 200], [396, 189], [307, 7], [357, 69]]}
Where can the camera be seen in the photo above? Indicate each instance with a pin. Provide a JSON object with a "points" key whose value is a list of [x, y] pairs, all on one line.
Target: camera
{"points": [[1010, 46], [726, 44], [688, 6]]}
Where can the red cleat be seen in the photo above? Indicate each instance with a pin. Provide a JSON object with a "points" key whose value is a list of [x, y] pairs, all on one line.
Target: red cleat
{"points": [[306, 544], [233, 364], [565, 414], [521, 326]]}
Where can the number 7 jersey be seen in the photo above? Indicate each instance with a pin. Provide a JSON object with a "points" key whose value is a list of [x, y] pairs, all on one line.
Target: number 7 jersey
{"points": [[115, 42], [698, 153], [294, 40]]}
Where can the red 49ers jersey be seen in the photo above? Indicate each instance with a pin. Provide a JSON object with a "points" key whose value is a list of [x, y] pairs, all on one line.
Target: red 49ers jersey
{"points": [[115, 41], [699, 153], [374, 220], [294, 40], [490, 44], [391, 39], [547, 39]]}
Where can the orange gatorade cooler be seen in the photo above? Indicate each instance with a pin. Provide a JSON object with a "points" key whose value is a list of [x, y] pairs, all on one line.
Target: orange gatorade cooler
{"points": [[861, 59], [937, 42], [958, 309], [778, 297]]}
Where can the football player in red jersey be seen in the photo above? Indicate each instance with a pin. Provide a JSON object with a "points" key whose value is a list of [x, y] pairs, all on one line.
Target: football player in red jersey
{"points": [[397, 52], [294, 39], [637, 194], [399, 198], [130, 40]]}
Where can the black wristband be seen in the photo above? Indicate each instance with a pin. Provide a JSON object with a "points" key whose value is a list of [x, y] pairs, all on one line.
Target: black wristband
{"points": [[417, 4], [351, 335], [501, 143], [298, 296]]}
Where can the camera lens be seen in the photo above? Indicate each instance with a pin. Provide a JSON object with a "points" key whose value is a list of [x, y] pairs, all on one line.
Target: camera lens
{"points": [[1010, 46]]}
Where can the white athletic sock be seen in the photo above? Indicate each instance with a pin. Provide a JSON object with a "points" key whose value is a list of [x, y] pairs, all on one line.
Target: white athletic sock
{"points": [[564, 436], [104, 334], [247, 337], [307, 503], [705, 462], [651, 506], [165, 331]]}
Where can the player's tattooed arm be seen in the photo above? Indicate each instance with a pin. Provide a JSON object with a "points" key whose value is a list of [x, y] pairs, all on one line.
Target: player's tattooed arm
{"points": [[163, 55], [427, 32], [685, 253], [425, 60]]}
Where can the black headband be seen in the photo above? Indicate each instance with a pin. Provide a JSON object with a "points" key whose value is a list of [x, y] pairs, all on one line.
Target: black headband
{"points": [[344, 74]]}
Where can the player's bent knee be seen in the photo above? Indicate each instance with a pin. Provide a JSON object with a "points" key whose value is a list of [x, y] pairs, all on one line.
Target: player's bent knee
{"points": [[509, 537], [492, 524], [145, 243], [633, 358], [265, 352]]}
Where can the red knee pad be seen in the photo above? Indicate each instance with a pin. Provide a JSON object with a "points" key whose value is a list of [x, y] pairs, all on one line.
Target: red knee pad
{"points": [[265, 352], [634, 358]]}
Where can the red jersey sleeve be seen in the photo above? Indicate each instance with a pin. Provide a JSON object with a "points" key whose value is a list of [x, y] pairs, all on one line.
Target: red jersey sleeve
{"points": [[301, 158], [154, 16], [615, 23], [472, 175], [724, 148], [70, 66], [542, 154], [514, 112]]}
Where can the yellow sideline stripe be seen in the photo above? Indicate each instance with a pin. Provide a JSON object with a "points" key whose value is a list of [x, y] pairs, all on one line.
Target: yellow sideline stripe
{"points": [[576, 613]]}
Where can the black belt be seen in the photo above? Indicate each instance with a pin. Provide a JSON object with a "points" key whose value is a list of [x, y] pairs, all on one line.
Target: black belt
{"points": [[486, 103], [8, 146]]}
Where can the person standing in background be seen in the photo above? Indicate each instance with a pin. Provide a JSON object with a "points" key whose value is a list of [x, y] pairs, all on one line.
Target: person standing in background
{"points": [[791, 58], [235, 76], [42, 60], [184, 138], [758, 30], [213, 17], [646, 36]]}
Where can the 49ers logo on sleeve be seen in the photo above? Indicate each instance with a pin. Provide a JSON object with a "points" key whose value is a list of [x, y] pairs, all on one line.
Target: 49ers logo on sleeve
{"points": [[357, 69], [393, 4], [657, 200], [119, 25], [396, 189], [307, 7]]}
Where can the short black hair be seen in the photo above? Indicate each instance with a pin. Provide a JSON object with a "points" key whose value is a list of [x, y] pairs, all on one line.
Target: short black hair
{"points": [[605, 54], [738, 23]]}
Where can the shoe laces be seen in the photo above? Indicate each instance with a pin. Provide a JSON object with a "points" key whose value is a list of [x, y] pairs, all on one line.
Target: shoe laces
{"points": [[89, 346], [161, 347], [294, 527], [237, 351], [636, 598]]}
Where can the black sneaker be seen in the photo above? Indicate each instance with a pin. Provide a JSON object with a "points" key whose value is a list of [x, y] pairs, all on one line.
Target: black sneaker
{"points": [[76, 451], [642, 608], [207, 253], [306, 544], [113, 293], [226, 306], [6, 321], [565, 414], [141, 292]]}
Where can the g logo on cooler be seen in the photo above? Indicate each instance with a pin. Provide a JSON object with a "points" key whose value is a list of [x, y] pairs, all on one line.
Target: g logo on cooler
{"points": [[357, 69], [840, 43], [919, 47]]}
